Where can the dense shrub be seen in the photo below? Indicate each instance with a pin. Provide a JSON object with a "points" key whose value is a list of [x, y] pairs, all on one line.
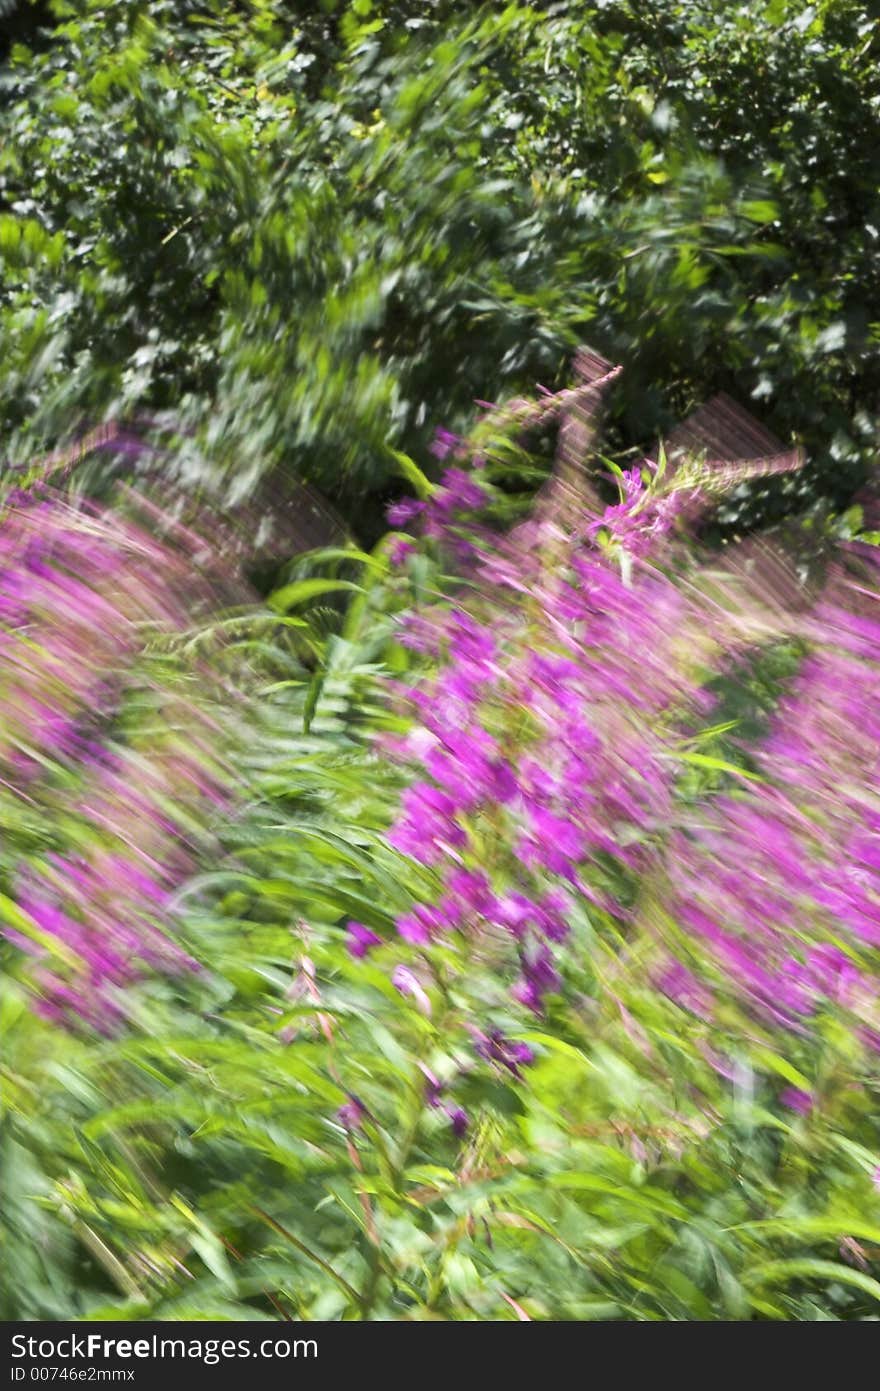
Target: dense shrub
{"points": [[329, 228]]}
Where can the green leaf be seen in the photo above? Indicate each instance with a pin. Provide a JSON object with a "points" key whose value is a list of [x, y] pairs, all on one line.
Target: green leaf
{"points": [[292, 595], [782, 1272], [720, 765], [421, 484]]}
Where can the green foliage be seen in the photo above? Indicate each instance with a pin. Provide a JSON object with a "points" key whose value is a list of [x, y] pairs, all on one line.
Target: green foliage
{"points": [[309, 232]]}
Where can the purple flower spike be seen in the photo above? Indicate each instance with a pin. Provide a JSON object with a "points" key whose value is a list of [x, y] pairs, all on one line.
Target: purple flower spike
{"points": [[398, 552], [405, 511], [459, 492], [407, 983], [422, 924], [797, 1100], [413, 930], [519, 1053], [352, 1114], [445, 443], [539, 978], [434, 1088], [458, 1119], [361, 939], [506, 1052], [516, 913]]}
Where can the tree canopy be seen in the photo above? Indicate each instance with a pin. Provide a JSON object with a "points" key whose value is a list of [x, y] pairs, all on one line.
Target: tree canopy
{"points": [[307, 233]]}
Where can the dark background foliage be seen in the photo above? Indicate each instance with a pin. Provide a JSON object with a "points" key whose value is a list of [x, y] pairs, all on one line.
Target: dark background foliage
{"points": [[310, 231]]}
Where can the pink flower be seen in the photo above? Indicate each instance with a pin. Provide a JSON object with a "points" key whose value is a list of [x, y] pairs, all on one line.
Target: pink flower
{"points": [[404, 980], [361, 939], [400, 513], [797, 1100], [445, 443]]}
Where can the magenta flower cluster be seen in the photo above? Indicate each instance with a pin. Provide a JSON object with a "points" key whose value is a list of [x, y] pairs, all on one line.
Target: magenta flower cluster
{"points": [[642, 519], [780, 885], [547, 743], [456, 498], [543, 746], [83, 592]]}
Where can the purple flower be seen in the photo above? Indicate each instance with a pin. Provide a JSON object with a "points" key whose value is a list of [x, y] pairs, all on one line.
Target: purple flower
{"points": [[797, 1100], [679, 984], [516, 912], [583, 678], [508, 1053], [553, 913], [444, 444], [458, 1119], [434, 1088], [426, 824], [422, 924], [353, 1113], [414, 929], [555, 843], [466, 769], [404, 511], [460, 492], [539, 978], [405, 981], [472, 888], [361, 939], [398, 551], [503, 784], [472, 646]]}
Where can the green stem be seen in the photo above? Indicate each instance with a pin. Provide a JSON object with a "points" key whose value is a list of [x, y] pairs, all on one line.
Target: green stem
{"points": [[347, 1289], [368, 1297]]}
